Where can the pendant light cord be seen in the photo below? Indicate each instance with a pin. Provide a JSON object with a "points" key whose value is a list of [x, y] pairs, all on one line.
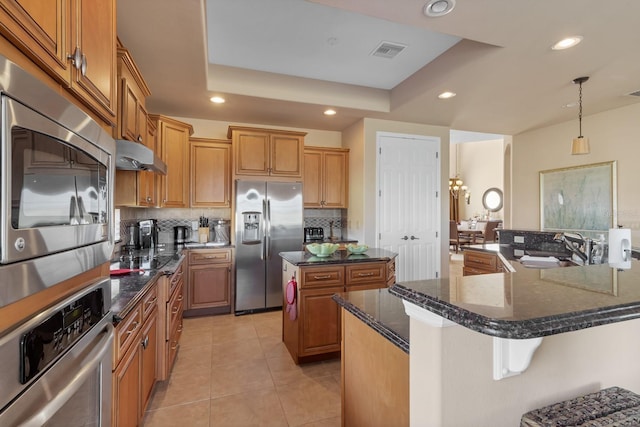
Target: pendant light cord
{"points": [[580, 109]]}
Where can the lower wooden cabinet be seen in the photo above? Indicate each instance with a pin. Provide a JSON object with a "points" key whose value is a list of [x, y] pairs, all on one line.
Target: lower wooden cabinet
{"points": [[478, 262], [315, 333], [135, 361], [171, 291], [209, 281]]}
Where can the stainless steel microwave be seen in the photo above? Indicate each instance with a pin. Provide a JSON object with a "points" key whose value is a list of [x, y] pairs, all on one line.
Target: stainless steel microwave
{"points": [[56, 177]]}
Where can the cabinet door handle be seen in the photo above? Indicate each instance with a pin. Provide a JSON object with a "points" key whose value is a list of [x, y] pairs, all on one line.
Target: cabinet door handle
{"points": [[365, 274], [76, 58], [404, 238], [132, 330], [175, 310], [145, 342], [180, 297], [415, 238], [212, 257], [83, 67], [328, 276]]}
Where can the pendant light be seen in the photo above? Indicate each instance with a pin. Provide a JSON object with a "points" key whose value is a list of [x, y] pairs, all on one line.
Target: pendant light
{"points": [[580, 144]]}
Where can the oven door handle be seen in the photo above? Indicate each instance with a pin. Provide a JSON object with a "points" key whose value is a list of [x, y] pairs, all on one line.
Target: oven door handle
{"points": [[87, 367]]}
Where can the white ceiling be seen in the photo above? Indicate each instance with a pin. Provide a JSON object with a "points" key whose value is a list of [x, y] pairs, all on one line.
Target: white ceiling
{"points": [[282, 62]]}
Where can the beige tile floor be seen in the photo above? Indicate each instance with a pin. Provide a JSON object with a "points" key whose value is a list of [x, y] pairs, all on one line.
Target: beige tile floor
{"points": [[235, 371]]}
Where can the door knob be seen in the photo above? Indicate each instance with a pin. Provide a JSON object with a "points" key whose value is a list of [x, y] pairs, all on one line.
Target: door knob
{"points": [[415, 238], [404, 238]]}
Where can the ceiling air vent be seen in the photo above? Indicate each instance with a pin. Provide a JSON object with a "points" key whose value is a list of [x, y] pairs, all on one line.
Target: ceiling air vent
{"points": [[636, 93], [388, 50]]}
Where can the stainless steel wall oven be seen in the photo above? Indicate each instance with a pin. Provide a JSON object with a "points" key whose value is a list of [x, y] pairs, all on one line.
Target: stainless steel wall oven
{"points": [[56, 187], [56, 366]]}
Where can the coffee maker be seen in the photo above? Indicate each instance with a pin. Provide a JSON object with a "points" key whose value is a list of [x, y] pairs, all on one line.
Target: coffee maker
{"points": [[148, 233]]}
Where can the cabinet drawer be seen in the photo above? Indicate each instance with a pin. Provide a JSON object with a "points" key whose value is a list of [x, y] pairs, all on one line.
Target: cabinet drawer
{"points": [[126, 333], [210, 256], [149, 301], [174, 343], [481, 260], [366, 273], [176, 307], [322, 276], [176, 280]]}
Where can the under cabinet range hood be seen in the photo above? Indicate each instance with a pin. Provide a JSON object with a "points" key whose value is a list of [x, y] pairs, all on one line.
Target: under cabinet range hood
{"points": [[134, 156]]}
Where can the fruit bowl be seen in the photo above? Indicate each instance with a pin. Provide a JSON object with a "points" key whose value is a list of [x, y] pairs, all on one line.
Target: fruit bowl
{"points": [[322, 249], [357, 249]]}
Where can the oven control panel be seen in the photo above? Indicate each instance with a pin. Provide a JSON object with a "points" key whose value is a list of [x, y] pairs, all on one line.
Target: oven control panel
{"points": [[43, 343]]}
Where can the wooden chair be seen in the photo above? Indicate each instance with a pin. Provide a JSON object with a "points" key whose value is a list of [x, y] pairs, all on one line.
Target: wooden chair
{"points": [[454, 237], [489, 233]]}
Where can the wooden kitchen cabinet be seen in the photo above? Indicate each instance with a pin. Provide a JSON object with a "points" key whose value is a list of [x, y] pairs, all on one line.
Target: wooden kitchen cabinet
{"points": [[315, 333], [267, 152], [134, 188], [209, 282], [173, 146], [135, 360], [74, 41], [210, 171], [171, 297], [326, 177], [478, 262]]}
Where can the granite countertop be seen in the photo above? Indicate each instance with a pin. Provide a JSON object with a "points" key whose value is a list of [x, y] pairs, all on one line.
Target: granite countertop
{"points": [[381, 311], [302, 258], [126, 290], [530, 303]]}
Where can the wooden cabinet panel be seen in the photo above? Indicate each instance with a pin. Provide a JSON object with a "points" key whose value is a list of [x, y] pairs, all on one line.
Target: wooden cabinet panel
{"points": [[93, 34], [477, 262], [286, 155], [326, 177], [148, 359], [126, 333], [149, 302], [320, 317], [267, 152], [366, 273], [173, 141], [312, 188], [41, 30], [126, 390], [209, 286], [322, 276], [210, 173], [212, 256]]}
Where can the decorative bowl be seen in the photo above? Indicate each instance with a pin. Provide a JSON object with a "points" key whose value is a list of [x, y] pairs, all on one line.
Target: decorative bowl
{"points": [[322, 249], [357, 249]]}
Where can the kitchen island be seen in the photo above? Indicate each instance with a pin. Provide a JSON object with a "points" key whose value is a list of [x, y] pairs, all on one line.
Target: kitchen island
{"points": [[311, 320], [501, 344]]}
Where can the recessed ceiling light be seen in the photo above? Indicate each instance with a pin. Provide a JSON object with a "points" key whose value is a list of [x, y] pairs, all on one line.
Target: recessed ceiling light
{"points": [[566, 43], [330, 112], [436, 8], [217, 99], [446, 95]]}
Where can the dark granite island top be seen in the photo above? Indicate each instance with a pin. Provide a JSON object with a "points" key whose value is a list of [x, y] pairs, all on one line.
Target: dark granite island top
{"points": [[303, 258], [531, 303], [381, 311]]}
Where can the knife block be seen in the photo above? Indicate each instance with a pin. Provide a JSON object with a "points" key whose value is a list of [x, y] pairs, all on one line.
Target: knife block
{"points": [[203, 234]]}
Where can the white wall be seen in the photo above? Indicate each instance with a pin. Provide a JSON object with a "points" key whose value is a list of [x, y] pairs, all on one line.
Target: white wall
{"points": [[613, 134], [481, 167]]}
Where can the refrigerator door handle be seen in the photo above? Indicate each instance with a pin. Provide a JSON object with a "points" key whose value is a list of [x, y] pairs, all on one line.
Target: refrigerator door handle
{"points": [[268, 232], [263, 226]]}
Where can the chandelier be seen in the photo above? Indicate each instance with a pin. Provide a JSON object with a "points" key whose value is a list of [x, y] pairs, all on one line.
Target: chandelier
{"points": [[457, 187]]}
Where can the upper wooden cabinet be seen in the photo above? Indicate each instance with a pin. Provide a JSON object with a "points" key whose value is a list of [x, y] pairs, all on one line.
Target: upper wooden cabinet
{"points": [[267, 152], [134, 188], [326, 177], [173, 143], [74, 41], [210, 170]]}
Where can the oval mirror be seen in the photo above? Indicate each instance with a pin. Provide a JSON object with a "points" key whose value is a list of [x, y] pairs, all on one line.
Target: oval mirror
{"points": [[492, 199]]}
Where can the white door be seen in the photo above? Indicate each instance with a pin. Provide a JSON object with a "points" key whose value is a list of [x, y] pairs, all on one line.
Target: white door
{"points": [[409, 204]]}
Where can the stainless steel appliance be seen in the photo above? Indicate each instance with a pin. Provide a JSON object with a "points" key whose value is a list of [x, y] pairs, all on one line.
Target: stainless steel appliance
{"points": [[56, 187], [148, 233], [56, 366], [181, 234], [221, 231], [269, 220]]}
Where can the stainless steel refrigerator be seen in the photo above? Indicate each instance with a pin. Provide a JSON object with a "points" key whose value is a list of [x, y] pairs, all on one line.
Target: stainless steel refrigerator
{"points": [[269, 220]]}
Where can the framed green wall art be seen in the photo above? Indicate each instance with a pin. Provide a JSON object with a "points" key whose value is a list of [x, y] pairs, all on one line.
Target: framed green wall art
{"points": [[580, 198]]}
